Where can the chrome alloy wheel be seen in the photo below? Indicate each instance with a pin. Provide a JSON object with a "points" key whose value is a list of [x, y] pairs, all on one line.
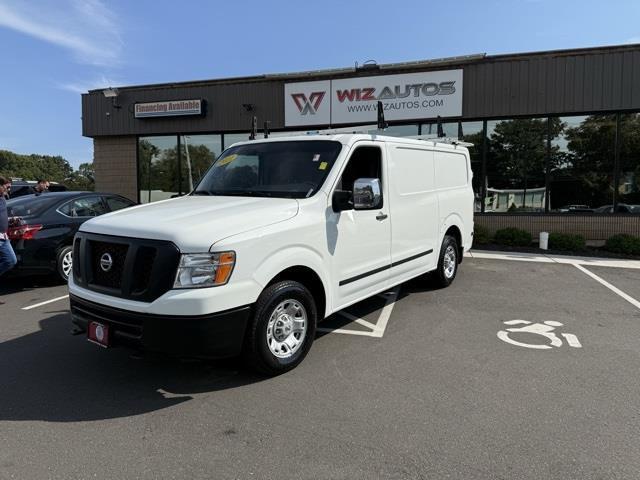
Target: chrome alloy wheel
{"points": [[67, 263], [450, 260], [287, 328]]}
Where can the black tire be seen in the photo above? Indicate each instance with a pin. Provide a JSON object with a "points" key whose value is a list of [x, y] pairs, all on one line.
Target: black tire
{"points": [[61, 263], [443, 277], [257, 353]]}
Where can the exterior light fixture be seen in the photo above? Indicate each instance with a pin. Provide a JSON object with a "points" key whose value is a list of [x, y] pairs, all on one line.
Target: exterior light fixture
{"points": [[112, 93]]}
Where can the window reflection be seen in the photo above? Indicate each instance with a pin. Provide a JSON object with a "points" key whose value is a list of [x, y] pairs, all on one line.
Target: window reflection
{"points": [[580, 164], [629, 183], [197, 153], [516, 152], [582, 154], [399, 131], [158, 169], [450, 129], [231, 138], [472, 133]]}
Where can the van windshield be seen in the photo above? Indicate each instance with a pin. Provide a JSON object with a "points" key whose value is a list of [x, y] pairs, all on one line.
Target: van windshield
{"points": [[288, 169]]}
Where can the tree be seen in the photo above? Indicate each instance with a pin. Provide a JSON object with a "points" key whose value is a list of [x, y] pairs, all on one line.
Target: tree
{"points": [[588, 161], [518, 154], [34, 167], [82, 179], [46, 167], [629, 188]]}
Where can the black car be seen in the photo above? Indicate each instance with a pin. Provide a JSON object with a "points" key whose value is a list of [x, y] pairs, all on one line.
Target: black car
{"points": [[21, 187], [41, 227]]}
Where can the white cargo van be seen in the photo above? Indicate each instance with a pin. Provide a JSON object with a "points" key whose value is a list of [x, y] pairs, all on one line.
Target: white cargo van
{"points": [[279, 234]]}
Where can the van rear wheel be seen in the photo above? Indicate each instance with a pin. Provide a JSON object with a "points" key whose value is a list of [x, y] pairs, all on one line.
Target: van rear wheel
{"points": [[447, 262], [282, 329]]}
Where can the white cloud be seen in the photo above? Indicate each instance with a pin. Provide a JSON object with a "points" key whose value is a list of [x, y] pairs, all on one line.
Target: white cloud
{"points": [[85, 27], [83, 86], [633, 40]]}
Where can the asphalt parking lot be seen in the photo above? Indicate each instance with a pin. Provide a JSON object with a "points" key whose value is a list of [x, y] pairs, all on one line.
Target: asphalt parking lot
{"points": [[417, 383]]}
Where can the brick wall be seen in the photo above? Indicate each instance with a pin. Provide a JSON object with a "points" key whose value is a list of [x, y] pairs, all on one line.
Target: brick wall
{"points": [[594, 227], [114, 160]]}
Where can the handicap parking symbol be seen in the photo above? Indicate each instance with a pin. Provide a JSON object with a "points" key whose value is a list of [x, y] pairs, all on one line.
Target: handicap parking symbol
{"points": [[545, 329]]}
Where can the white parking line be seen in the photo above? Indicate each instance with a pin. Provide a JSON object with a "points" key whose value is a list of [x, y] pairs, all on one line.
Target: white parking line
{"points": [[376, 330], [45, 303], [381, 324], [565, 259], [614, 289]]}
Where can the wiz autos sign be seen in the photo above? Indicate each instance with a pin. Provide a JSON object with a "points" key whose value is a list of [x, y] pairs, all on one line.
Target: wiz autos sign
{"points": [[354, 100]]}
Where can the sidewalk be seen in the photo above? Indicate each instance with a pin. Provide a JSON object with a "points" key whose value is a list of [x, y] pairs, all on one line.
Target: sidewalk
{"points": [[544, 258]]}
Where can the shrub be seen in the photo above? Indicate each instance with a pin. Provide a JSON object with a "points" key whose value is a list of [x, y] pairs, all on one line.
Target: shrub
{"points": [[623, 243], [566, 241], [513, 237], [481, 234]]}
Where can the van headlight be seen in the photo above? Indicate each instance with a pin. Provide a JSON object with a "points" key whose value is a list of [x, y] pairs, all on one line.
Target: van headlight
{"points": [[198, 270]]}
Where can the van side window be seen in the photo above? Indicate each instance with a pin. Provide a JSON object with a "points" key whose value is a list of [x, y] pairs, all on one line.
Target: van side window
{"points": [[365, 162]]}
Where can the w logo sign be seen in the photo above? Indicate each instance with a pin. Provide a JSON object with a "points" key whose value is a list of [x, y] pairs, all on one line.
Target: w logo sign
{"points": [[308, 104]]}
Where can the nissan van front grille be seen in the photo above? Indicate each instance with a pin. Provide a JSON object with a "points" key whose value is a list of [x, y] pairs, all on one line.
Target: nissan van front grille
{"points": [[131, 268], [107, 262]]}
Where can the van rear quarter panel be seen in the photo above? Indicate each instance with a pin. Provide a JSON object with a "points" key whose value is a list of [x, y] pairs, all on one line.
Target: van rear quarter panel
{"points": [[455, 194]]}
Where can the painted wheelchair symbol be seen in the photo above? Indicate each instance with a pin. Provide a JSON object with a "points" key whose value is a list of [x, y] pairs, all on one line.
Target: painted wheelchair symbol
{"points": [[546, 329]]}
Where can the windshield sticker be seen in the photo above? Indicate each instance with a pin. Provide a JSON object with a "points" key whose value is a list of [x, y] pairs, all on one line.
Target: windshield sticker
{"points": [[323, 166], [316, 157], [226, 160]]}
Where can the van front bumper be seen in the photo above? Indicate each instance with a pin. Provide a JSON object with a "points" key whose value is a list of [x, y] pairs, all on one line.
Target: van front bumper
{"points": [[215, 335]]}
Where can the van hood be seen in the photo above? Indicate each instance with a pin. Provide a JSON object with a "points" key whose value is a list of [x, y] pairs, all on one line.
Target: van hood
{"points": [[194, 223]]}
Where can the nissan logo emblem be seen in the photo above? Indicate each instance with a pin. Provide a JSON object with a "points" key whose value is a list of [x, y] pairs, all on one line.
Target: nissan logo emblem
{"points": [[100, 333], [106, 262]]}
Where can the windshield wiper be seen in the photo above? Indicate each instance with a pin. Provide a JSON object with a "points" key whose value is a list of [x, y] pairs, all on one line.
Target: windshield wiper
{"points": [[201, 192]]}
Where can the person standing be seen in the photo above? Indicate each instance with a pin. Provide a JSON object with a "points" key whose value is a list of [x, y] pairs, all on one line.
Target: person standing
{"points": [[7, 256], [42, 186]]}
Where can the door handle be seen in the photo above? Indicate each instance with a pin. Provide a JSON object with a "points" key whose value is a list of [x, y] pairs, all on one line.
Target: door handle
{"points": [[381, 216]]}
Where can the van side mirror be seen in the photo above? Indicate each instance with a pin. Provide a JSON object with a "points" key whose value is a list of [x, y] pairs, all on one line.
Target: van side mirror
{"points": [[367, 194], [341, 200]]}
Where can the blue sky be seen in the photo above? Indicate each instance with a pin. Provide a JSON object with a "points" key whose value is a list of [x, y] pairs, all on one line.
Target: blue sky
{"points": [[52, 50]]}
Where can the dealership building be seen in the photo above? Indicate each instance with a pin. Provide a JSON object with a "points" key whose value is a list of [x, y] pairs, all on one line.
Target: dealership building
{"points": [[556, 135]]}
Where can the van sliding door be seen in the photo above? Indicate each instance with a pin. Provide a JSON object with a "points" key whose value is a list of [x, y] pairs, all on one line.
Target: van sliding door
{"points": [[413, 210]]}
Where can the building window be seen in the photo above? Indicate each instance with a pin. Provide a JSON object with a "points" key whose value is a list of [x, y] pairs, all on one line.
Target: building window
{"points": [[450, 129], [472, 133], [629, 182], [516, 155], [582, 164], [231, 138], [197, 154], [158, 168], [169, 166], [399, 131]]}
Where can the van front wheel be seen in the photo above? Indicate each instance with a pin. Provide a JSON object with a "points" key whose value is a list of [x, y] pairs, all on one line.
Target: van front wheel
{"points": [[447, 262], [282, 329]]}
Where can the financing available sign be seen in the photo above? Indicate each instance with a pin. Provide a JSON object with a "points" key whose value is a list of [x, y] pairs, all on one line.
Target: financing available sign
{"points": [[354, 100], [168, 109]]}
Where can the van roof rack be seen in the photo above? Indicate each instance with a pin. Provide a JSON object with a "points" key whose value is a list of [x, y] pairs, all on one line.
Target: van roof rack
{"points": [[367, 129], [338, 131], [437, 139]]}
